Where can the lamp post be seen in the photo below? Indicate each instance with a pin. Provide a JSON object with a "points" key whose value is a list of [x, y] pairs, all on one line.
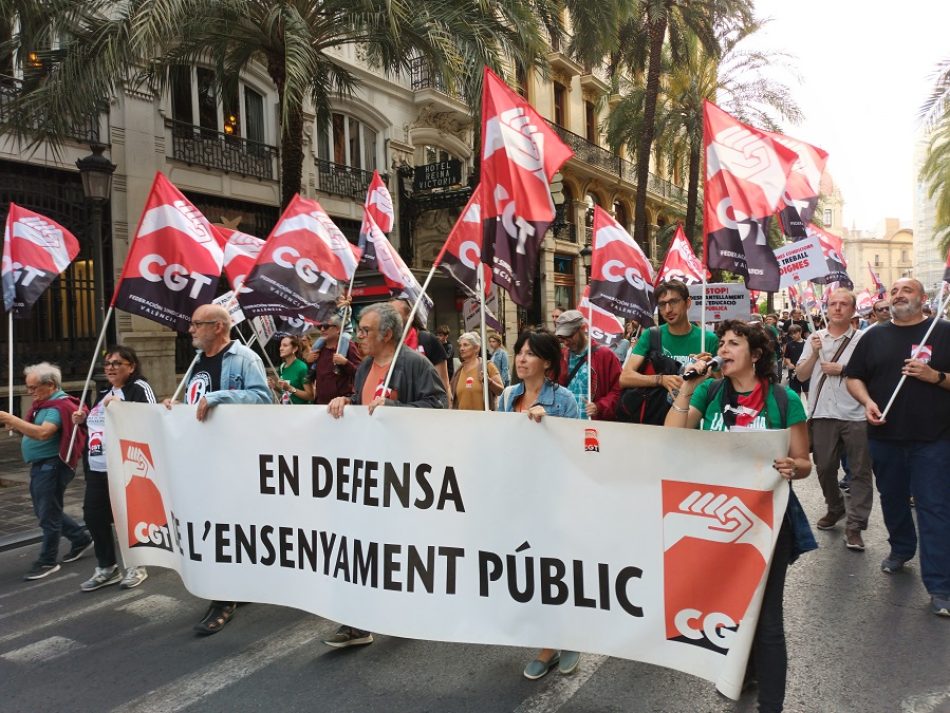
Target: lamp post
{"points": [[96, 172], [587, 256]]}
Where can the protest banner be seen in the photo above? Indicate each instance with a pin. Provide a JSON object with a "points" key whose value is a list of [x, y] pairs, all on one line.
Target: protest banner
{"points": [[800, 261], [230, 302], [373, 521], [471, 313], [724, 300]]}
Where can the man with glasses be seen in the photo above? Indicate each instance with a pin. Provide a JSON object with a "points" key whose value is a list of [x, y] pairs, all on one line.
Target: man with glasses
{"points": [[880, 313], [331, 373], [46, 434], [602, 379], [226, 372]]}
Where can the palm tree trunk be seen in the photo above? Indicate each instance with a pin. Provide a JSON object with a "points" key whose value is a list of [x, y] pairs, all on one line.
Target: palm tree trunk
{"points": [[692, 189], [291, 156], [657, 33]]}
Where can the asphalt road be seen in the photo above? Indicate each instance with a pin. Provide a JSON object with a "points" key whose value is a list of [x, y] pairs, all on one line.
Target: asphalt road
{"points": [[859, 641]]}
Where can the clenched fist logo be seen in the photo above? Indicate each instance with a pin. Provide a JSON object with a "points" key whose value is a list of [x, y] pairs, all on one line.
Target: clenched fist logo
{"points": [[513, 132], [748, 157], [717, 518]]}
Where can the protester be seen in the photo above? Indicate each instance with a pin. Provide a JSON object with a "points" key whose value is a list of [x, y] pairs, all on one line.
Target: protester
{"points": [[555, 313], [306, 349], [836, 421], [45, 445], [126, 383], [226, 372], [423, 342], [415, 383], [334, 366], [747, 397], [622, 348], [600, 378], [467, 384], [880, 313], [798, 318], [499, 356], [791, 354], [292, 372], [651, 375], [442, 333], [538, 365], [910, 450]]}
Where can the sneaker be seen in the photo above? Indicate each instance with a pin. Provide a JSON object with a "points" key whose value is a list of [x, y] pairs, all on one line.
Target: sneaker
{"points": [[134, 576], [76, 551], [853, 540], [568, 662], [940, 606], [348, 636], [892, 563], [38, 571], [844, 486], [103, 577], [829, 520], [539, 669]]}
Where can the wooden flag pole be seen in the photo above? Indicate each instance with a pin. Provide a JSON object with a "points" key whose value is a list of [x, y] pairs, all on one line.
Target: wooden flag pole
{"points": [[481, 305]]}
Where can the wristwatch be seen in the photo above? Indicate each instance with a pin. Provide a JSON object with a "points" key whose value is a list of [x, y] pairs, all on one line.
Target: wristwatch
{"points": [[941, 376]]}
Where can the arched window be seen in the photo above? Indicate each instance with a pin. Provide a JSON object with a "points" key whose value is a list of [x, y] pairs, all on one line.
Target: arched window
{"points": [[347, 141], [195, 101]]}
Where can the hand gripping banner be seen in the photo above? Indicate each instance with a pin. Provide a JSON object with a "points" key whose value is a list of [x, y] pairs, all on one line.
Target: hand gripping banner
{"points": [[371, 521], [174, 263], [681, 262], [35, 250], [461, 256], [621, 277], [746, 176], [303, 268], [520, 154]]}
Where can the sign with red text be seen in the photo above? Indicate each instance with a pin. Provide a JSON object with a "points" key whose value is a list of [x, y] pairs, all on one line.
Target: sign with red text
{"points": [[801, 261], [724, 300]]}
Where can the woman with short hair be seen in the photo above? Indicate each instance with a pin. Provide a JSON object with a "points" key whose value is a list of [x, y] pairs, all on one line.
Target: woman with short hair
{"points": [[467, 383]]}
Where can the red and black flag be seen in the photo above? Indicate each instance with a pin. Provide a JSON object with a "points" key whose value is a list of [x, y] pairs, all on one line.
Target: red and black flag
{"points": [[240, 254], [174, 263], [379, 203], [605, 328], [461, 256], [804, 184], [681, 262], [520, 154], [833, 249], [303, 268], [879, 287], [35, 250], [746, 175], [621, 277]]}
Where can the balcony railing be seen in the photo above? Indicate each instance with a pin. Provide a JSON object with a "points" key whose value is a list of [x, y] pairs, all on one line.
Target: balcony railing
{"points": [[340, 180], [565, 231], [84, 130], [198, 146], [422, 76]]}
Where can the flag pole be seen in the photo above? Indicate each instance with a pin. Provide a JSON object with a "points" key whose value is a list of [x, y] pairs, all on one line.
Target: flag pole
{"points": [[481, 306], [920, 346], [807, 310], [85, 386], [702, 320], [408, 325], [10, 364], [186, 377], [590, 348]]}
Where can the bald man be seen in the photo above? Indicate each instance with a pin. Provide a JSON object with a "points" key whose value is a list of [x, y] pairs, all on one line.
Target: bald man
{"points": [[226, 373]]}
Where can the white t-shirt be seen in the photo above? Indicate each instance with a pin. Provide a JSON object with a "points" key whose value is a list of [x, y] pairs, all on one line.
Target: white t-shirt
{"points": [[96, 423]]}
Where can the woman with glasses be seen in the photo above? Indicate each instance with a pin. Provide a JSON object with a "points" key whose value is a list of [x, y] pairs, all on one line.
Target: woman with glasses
{"points": [[126, 383], [292, 373]]}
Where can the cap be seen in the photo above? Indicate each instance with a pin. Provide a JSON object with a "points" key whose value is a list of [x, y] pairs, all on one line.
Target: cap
{"points": [[568, 323]]}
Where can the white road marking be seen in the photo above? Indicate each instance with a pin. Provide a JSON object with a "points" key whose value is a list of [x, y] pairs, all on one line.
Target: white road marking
{"points": [[74, 594], [37, 585], [74, 614], [43, 650], [187, 690], [154, 607], [560, 689], [929, 702]]}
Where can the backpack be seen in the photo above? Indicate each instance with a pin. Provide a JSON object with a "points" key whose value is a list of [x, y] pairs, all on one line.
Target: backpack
{"points": [[649, 404], [781, 400]]}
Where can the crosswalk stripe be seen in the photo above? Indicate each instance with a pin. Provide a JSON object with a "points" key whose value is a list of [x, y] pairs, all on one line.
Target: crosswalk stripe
{"points": [[561, 689], [37, 585], [32, 607], [70, 615], [44, 650], [154, 607], [187, 690]]}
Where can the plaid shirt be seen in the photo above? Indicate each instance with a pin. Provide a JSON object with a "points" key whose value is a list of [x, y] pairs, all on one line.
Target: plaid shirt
{"points": [[578, 385]]}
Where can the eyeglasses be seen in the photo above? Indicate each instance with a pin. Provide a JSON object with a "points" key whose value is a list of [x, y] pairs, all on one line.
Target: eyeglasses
{"points": [[669, 303], [324, 327], [882, 309], [365, 330], [115, 364]]}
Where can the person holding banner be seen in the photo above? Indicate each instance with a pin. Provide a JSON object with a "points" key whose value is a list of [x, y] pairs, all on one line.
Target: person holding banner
{"points": [[126, 383], [467, 382], [292, 372], [334, 364], [747, 397], [592, 378], [904, 364], [538, 365], [224, 372]]}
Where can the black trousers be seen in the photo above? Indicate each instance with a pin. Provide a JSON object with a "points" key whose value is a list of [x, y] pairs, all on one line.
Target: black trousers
{"points": [[97, 511]]}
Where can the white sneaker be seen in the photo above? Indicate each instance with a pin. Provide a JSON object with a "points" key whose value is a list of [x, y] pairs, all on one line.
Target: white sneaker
{"points": [[103, 577], [134, 576]]}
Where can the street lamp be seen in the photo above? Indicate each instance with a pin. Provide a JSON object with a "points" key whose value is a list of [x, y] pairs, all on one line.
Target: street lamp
{"points": [[96, 172], [586, 256]]}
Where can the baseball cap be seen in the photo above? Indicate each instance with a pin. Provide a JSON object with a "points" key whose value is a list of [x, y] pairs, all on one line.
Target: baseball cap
{"points": [[568, 323]]}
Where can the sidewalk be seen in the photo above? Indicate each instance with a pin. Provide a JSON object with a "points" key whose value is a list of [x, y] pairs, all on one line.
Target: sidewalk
{"points": [[18, 525]]}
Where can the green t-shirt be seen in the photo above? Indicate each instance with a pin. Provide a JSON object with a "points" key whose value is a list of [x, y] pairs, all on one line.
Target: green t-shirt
{"points": [[34, 449], [296, 374], [712, 411], [678, 346]]}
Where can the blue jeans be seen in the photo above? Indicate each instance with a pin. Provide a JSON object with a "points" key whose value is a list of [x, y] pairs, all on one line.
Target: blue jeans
{"points": [[921, 469], [48, 480]]}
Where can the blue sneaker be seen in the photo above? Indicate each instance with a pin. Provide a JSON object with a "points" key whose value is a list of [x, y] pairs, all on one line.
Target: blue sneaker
{"points": [[940, 605], [892, 563]]}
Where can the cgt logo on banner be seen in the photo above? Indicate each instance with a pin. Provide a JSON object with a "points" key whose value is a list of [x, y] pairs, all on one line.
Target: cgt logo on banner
{"points": [[147, 518], [707, 532]]}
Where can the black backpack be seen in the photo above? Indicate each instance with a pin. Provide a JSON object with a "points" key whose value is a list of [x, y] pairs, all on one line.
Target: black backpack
{"points": [[781, 400], [649, 404]]}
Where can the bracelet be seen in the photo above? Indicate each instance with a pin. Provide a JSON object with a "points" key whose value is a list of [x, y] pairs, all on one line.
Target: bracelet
{"points": [[678, 409], [659, 379]]}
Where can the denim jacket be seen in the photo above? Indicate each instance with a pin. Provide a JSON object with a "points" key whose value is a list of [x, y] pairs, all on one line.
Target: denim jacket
{"points": [[243, 380], [555, 399]]}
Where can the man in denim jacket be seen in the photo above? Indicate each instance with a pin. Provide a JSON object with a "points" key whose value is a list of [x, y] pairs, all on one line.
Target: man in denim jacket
{"points": [[225, 373]]}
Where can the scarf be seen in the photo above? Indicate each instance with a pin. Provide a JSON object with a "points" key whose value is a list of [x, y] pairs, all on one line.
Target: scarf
{"points": [[741, 409]]}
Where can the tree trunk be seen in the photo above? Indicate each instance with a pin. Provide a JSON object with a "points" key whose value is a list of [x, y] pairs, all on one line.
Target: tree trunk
{"points": [[291, 155], [657, 33], [692, 188]]}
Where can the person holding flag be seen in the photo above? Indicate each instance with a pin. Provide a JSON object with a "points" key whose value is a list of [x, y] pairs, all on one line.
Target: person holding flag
{"points": [[595, 385], [334, 366]]}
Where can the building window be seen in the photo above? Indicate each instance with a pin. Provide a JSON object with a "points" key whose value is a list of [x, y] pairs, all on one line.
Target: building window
{"points": [[346, 141], [877, 260], [521, 77], [903, 256], [590, 120], [565, 281], [195, 101], [560, 104], [829, 215]]}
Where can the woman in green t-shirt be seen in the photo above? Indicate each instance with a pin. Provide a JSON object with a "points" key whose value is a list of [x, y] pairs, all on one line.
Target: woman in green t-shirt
{"points": [[745, 399], [292, 372]]}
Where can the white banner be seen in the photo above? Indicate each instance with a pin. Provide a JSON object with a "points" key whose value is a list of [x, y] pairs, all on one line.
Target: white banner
{"points": [[264, 328], [724, 300], [402, 523], [471, 313], [229, 301], [800, 261]]}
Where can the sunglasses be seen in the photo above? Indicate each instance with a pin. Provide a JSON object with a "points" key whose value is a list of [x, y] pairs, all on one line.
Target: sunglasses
{"points": [[324, 327]]}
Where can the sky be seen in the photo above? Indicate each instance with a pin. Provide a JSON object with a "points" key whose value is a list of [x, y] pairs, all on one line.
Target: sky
{"points": [[864, 73]]}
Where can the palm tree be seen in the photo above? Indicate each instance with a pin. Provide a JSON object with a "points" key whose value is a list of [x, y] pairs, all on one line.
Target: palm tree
{"points": [[935, 172], [104, 46]]}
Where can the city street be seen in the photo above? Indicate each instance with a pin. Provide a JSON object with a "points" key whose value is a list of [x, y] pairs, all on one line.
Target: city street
{"points": [[859, 641]]}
